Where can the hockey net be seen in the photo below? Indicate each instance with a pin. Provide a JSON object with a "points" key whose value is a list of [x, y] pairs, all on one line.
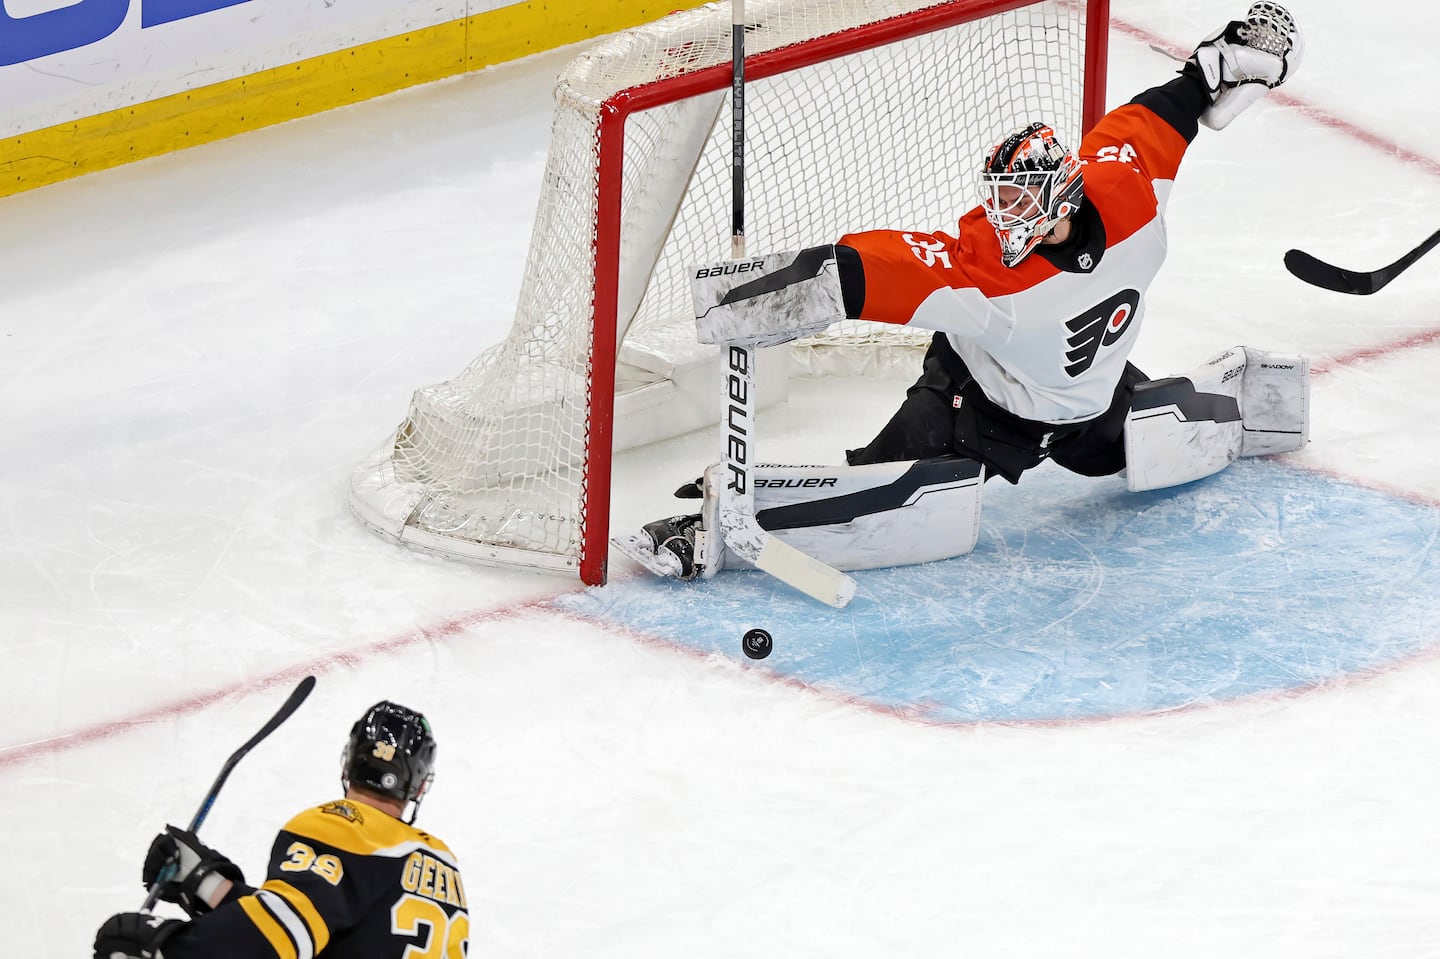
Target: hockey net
{"points": [[859, 114]]}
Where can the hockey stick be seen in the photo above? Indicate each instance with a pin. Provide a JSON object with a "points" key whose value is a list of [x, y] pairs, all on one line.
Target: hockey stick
{"points": [[297, 696], [1322, 274], [738, 526]]}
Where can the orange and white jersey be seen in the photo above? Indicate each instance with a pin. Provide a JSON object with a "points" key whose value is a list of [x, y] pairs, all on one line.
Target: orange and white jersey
{"points": [[1048, 338]]}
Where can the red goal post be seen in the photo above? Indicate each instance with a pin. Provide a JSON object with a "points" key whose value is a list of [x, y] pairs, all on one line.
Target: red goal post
{"points": [[859, 114]]}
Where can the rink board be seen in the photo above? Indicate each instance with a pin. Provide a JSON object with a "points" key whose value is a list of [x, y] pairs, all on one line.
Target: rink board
{"points": [[1083, 600]]}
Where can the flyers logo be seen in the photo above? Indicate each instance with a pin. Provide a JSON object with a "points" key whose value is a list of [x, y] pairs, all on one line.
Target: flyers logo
{"points": [[1096, 328]]}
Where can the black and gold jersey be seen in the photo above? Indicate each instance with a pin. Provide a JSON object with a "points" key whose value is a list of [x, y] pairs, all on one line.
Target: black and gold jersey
{"points": [[346, 881]]}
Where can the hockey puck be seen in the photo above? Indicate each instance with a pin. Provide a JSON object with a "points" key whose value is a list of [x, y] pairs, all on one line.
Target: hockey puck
{"points": [[757, 643]]}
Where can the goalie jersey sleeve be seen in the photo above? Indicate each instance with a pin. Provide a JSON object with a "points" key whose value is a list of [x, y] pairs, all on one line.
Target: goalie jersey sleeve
{"points": [[345, 881], [1048, 339]]}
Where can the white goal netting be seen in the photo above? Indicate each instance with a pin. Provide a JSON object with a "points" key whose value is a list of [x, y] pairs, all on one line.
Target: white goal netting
{"points": [[859, 114]]}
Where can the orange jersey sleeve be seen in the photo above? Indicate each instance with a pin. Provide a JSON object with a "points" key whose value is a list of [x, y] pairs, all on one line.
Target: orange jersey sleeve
{"points": [[903, 269], [1134, 134]]}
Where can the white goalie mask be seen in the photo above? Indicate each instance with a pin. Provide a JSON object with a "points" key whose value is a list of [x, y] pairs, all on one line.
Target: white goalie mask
{"points": [[1029, 183]]}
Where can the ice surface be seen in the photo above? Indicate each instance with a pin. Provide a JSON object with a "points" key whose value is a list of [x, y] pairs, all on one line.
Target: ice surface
{"points": [[195, 350]]}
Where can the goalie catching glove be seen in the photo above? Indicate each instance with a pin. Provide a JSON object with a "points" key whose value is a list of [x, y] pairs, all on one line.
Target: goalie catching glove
{"points": [[1244, 60]]}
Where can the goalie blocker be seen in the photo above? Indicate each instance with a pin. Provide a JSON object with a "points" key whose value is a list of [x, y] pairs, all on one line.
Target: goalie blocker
{"points": [[767, 300]]}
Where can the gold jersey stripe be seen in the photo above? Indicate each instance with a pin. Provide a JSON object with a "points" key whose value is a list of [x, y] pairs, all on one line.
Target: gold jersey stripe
{"points": [[319, 931], [273, 932]]}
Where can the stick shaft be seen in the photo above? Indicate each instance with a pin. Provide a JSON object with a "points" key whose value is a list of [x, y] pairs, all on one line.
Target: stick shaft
{"points": [[739, 379], [297, 696], [738, 526], [737, 129]]}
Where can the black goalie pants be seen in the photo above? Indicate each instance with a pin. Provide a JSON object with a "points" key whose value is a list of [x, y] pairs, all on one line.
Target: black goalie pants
{"points": [[946, 413]]}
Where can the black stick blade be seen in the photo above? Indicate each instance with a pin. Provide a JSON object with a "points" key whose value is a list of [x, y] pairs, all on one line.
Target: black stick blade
{"points": [[1322, 274], [1327, 277]]}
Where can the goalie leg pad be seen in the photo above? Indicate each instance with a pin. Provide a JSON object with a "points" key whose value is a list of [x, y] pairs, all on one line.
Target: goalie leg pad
{"points": [[767, 300], [857, 517], [1274, 403], [1244, 402]]}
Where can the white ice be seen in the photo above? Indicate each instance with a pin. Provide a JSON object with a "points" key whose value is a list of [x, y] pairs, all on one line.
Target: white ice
{"points": [[195, 350]]}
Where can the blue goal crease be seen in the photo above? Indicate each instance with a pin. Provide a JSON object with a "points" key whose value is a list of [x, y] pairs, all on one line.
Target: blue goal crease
{"points": [[1083, 600]]}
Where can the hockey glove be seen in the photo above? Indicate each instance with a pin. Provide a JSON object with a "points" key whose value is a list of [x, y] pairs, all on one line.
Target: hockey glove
{"points": [[1242, 61], [134, 935], [189, 872], [767, 300]]}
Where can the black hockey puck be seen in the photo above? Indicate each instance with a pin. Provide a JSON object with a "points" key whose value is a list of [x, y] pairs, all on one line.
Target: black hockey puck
{"points": [[757, 643]]}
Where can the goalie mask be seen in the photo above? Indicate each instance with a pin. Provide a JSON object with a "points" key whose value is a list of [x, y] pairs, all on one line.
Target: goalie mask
{"points": [[1029, 183], [391, 751]]}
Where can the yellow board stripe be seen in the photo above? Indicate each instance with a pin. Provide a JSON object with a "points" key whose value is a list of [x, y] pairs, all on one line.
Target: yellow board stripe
{"points": [[311, 86], [273, 932], [319, 932]]}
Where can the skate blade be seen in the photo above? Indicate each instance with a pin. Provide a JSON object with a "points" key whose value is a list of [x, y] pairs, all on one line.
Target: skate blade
{"points": [[640, 549]]}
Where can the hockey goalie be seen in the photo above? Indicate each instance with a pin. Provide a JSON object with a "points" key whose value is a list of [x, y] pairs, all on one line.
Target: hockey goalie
{"points": [[1036, 300]]}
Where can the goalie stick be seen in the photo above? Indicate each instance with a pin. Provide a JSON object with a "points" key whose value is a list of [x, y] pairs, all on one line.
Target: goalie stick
{"points": [[297, 696], [738, 526], [741, 531], [1322, 274]]}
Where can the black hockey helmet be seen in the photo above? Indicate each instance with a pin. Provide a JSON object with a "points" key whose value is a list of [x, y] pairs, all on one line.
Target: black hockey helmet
{"points": [[391, 751]]}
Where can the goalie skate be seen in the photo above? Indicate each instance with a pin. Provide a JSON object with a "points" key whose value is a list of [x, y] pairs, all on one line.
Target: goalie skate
{"points": [[665, 547]]}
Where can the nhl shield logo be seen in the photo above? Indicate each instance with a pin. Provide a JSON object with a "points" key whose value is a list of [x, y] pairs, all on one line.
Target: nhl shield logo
{"points": [[1086, 261]]}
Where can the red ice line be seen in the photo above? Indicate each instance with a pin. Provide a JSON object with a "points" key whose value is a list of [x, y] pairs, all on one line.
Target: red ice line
{"points": [[1411, 342], [13, 756]]}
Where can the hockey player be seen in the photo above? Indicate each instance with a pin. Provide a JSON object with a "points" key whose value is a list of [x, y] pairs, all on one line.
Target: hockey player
{"points": [[1037, 300], [352, 879]]}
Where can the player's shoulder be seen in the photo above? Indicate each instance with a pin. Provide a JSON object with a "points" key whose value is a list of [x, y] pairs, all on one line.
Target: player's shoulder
{"points": [[1124, 197], [359, 829], [1114, 171], [1119, 182]]}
